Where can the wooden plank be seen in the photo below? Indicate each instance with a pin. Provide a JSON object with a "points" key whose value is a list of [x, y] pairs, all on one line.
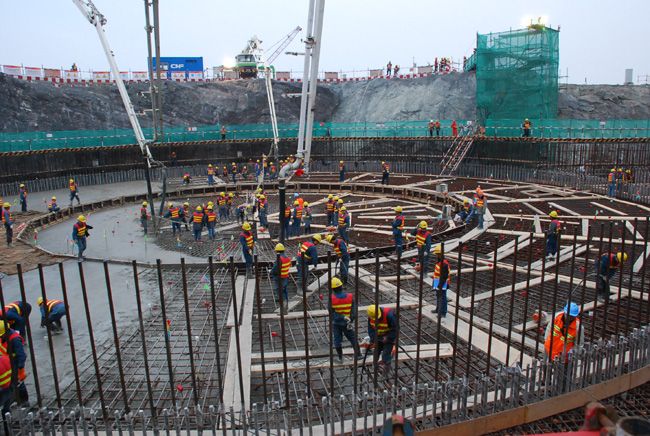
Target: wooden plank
{"points": [[446, 351], [565, 209], [239, 292], [611, 209], [630, 227]]}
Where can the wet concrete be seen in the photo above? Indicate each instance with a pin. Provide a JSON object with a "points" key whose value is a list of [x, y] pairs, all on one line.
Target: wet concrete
{"points": [[125, 309]]}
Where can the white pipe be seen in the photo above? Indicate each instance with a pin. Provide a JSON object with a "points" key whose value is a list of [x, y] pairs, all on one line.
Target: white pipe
{"points": [[305, 78]]}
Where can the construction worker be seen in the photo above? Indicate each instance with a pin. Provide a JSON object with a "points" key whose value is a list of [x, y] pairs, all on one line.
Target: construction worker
{"points": [[247, 241], [431, 125], [307, 217], [80, 233], [263, 210], [51, 313], [389, 68], [437, 126], [8, 221], [185, 215], [454, 128], [229, 204], [52, 206], [526, 125], [423, 243], [343, 311], [273, 173], [74, 191], [480, 206], [297, 218], [298, 198], [16, 315], [244, 172], [552, 235], [606, 268], [265, 166], [221, 202], [329, 209], [280, 274], [398, 228], [174, 212], [611, 183], [223, 132], [211, 221], [287, 219], [466, 213], [225, 173], [198, 219], [23, 198], [6, 390], [309, 252], [144, 217], [342, 254], [341, 171], [210, 175], [233, 172], [441, 281], [385, 173], [565, 332], [258, 169], [344, 223], [382, 327], [12, 346], [187, 179], [620, 176]]}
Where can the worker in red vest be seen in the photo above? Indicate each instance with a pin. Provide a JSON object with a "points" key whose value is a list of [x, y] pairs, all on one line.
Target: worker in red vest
{"points": [[423, 243], [8, 221], [343, 310], [344, 223], [329, 209], [74, 191], [552, 235], [198, 219], [247, 241], [398, 228], [144, 217], [382, 327], [280, 274], [385, 173], [211, 221], [23, 197], [480, 206], [16, 314], [611, 183], [80, 233], [174, 213], [341, 171], [606, 268], [309, 253], [12, 345], [52, 206], [210, 175], [6, 389], [441, 281], [563, 334], [297, 218]]}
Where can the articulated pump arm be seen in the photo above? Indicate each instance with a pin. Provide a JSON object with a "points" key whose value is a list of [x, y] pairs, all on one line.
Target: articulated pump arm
{"points": [[98, 20]]}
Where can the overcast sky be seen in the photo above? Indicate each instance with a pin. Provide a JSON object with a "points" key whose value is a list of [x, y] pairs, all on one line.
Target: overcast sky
{"points": [[599, 39]]}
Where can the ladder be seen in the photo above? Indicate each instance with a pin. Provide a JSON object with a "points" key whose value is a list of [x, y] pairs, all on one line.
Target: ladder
{"points": [[457, 151]]}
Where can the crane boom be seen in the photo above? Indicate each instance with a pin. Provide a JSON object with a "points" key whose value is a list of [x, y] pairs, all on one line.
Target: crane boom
{"points": [[285, 42]]}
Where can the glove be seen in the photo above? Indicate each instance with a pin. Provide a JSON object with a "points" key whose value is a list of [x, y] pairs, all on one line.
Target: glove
{"points": [[21, 374]]}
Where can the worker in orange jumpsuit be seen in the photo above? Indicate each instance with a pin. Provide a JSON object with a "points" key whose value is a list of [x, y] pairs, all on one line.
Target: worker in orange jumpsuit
{"points": [[564, 332]]}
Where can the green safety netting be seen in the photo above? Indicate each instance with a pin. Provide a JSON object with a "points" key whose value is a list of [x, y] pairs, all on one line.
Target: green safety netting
{"points": [[517, 73], [541, 128]]}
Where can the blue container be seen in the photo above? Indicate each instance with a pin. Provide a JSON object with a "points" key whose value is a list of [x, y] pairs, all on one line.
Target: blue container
{"points": [[176, 64]]}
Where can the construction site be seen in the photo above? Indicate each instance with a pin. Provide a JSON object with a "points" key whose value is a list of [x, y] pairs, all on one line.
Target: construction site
{"points": [[457, 255]]}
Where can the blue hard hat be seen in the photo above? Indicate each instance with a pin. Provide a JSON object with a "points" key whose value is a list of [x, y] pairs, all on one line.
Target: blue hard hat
{"points": [[572, 309]]}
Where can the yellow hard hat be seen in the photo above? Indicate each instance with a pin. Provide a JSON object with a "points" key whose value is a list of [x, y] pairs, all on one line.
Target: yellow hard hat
{"points": [[382, 162], [6, 205], [246, 226], [222, 193], [279, 247], [22, 185], [374, 312], [259, 189], [621, 257], [466, 201], [613, 169], [340, 201], [262, 197], [340, 161], [317, 237], [54, 198], [258, 161], [71, 180], [210, 207], [620, 169], [296, 203], [39, 301], [231, 195], [397, 208], [335, 197], [209, 165], [423, 224], [233, 163], [553, 214], [329, 237], [81, 218], [170, 204], [305, 203], [437, 249], [330, 196], [145, 204], [210, 203], [343, 208], [199, 208], [3, 328], [336, 282], [184, 204]]}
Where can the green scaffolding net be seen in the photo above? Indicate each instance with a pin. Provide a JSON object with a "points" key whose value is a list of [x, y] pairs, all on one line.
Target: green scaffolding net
{"points": [[517, 74]]}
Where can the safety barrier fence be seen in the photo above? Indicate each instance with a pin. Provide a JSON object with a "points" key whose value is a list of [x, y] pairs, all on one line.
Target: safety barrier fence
{"points": [[147, 376], [552, 129]]}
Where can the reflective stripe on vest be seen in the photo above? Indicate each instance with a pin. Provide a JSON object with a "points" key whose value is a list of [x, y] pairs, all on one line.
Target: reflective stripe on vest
{"points": [[480, 202], [337, 247], [221, 201], [342, 306], [81, 229], [51, 303], [562, 341], [437, 270], [249, 239], [285, 264], [382, 324], [398, 218], [5, 372], [4, 343], [330, 205], [175, 212], [342, 217], [72, 186], [287, 212], [421, 237], [303, 249], [212, 217], [197, 217], [15, 307], [210, 171], [299, 212]]}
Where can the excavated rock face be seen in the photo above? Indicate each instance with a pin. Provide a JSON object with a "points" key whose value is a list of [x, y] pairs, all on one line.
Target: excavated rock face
{"points": [[32, 106]]}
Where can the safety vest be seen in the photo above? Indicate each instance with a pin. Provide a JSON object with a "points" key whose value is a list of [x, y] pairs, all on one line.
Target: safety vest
{"points": [[23, 192], [381, 325], [81, 229], [342, 306], [437, 124], [212, 217], [480, 202], [285, 264], [249, 239], [143, 212], [4, 343], [466, 207], [341, 167], [5, 372], [610, 177], [72, 186], [421, 237], [197, 217], [210, 171], [263, 204], [272, 168], [186, 176], [337, 247], [233, 169], [613, 261], [400, 218], [244, 170], [15, 306], [225, 171], [303, 249], [437, 270], [287, 212], [431, 125], [299, 212], [386, 168], [221, 201], [342, 219], [51, 303], [558, 335], [330, 205], [175, 212], [2, 214], [526, 124], [558, 225]]}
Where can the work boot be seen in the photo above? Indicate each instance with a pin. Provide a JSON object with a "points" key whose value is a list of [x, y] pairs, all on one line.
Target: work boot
{"points": [[339, 353], [285, 307], [386, 370]]}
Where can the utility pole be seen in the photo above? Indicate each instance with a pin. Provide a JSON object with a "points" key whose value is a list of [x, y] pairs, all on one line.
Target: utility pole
{"points": [[156, 33], [154, 80]]}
